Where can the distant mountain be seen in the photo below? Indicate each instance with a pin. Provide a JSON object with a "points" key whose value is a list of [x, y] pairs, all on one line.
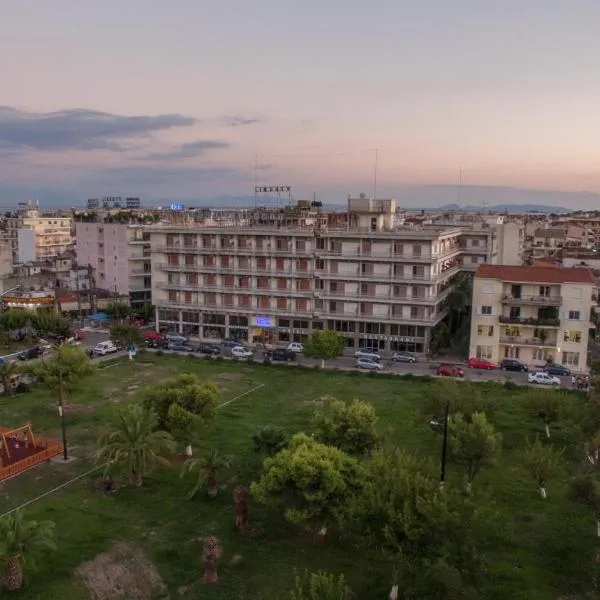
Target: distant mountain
{"points": [[513, 208]]}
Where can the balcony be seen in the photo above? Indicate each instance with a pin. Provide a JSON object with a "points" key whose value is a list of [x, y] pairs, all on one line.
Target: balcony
{"points": [[530, 322], [513, 340], [233, 250], [532, 300]]}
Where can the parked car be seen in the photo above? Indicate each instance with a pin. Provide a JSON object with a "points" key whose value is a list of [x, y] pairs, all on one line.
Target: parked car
{"points": [[176, 338], [31, 353], [450, 371], [480, 363], [158, 344], [543, 378], [404, 357], [295, 347], [367, 353], [368, 350], [206, 349], [153, 336], [104, 348], [282, 354], [241, 352], [180, 347], [231, 343], [512, 364], [367, 363], [554, 369]]}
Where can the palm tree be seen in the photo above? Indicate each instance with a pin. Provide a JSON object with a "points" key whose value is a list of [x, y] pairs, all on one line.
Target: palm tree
{"points": [[207, 467], [20, 541], [136, 443], [7, 372]]}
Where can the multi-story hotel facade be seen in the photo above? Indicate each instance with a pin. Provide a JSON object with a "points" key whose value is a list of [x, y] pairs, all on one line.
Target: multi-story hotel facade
{"points": [[534, 314], [376, 283]]}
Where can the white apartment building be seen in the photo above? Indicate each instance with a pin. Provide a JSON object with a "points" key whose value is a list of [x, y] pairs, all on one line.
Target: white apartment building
{"points": [[119, 253], [35, 237], [533, 314], [377, 283]]}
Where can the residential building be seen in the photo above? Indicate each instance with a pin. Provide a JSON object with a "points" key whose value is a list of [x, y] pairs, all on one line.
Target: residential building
{"points": [[38, 237], [357, 272], [119, 254], [535, 314]]}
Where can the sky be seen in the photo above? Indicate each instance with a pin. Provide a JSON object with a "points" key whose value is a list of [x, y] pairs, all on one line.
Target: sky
{"points": [[191, 99]]}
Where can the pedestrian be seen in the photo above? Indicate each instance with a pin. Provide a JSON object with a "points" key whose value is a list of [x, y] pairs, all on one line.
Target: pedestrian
{"points": [[573, 381]]}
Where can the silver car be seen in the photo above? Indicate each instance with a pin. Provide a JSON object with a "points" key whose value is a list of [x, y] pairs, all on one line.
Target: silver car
{"points": [[404, 357], [367, 363]]}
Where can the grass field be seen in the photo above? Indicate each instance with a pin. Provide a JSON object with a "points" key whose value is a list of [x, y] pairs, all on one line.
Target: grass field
{"points": [[541, 548]]}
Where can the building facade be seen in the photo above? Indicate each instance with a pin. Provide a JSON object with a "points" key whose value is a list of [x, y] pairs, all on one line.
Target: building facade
{"points": [[535, 314], [376, 283], [39, 237], [119, 254]]}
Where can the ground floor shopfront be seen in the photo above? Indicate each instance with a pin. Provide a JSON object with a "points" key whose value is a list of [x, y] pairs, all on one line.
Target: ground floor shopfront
{"points": [[274, 330]]}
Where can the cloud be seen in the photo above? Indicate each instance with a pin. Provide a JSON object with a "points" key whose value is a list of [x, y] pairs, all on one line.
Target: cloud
{"points": [[79, 129], [238, 121], [172, 176], [190, 150]]}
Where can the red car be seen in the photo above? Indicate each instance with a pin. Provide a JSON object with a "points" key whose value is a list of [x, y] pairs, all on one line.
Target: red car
{"points": [[450, 371], [480, 363], [153, 336]]}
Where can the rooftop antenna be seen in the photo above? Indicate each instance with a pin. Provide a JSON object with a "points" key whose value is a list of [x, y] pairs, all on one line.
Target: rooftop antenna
{"points": [[375, 173], [256, 180]]}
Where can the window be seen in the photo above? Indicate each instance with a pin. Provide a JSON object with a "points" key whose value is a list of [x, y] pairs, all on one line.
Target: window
{"points": [[512, 332], [486, 310], [484, 352], [475, 243], [320, 264], [485, 330], [573, 336], [541, 354], [487, 288], [570, 358], [574, 315], [576, 292]]}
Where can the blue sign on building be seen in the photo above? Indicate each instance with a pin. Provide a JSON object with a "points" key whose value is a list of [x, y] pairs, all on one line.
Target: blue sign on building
{"points": [[264, 322], [176, 206]]}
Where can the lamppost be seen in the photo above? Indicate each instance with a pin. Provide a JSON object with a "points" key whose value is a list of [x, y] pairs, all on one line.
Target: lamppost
{"points": [[444, 445]]}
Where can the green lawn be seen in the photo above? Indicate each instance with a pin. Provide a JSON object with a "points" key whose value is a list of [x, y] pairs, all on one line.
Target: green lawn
{"points": [[541, 549]]}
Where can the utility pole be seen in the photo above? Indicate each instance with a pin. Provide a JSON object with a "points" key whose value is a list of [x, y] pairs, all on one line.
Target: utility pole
{"points": [[61, 405], [444, 445], [78, 293]]}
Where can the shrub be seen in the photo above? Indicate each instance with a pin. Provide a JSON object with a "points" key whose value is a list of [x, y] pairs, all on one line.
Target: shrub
{"points": [[427, 378], [22, 388], [220, 358], [510, 385], [408, 376], [317, 368], [270, 440]]}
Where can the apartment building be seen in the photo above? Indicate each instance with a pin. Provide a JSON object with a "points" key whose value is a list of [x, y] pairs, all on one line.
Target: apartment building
{"points": [[375, 282], [38, 237], [119, 253], [533, 313]]}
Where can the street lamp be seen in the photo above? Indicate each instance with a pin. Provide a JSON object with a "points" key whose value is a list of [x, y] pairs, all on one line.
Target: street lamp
{"points": [[444, 445]]}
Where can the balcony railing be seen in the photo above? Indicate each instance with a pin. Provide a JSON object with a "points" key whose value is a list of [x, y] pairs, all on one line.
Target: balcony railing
{"points": [[532, 300], [521, 341], [531, 322]]}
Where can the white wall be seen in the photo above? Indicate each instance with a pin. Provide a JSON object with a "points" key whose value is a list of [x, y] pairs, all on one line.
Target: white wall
{"points": [[26, 245]]}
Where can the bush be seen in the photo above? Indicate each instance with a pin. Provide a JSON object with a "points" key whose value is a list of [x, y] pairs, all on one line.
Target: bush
{"points": [[408, 376], [266, 362], [220, 358], [317, 368], [320, 586], [427, 378], [270, 440], [510, 385]]}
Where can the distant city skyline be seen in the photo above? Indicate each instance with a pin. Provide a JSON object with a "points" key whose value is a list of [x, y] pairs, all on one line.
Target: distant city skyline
{"points": [[141, 99]]}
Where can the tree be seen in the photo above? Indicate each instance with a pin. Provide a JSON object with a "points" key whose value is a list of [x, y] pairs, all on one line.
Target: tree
{"points": [[207, 468], [440, 338], [541, 461], [309, 481], [459, 299], [425, 532], [320, 586], [126, 336], [473, 442], [69, 365], [348, 426], [546, 407], [181, 424], [118, 311], [136, 443], [8, 370], [15, 318], [20, 542], [325, 344], [270, 440], [200, 398], [48, 322], [585, 490]]}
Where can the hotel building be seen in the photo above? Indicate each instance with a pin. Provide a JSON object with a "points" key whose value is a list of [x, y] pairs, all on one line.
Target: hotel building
{"points": [[533, 314], [358, 272]]}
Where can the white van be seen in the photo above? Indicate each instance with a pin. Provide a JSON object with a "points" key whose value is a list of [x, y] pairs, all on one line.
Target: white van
{"points": [[105, 348]]}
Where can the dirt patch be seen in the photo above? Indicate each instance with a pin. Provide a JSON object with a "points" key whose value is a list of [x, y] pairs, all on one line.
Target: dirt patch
{"points": [[319, 401], [123, 573], [78, 408], [228, 376]]}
